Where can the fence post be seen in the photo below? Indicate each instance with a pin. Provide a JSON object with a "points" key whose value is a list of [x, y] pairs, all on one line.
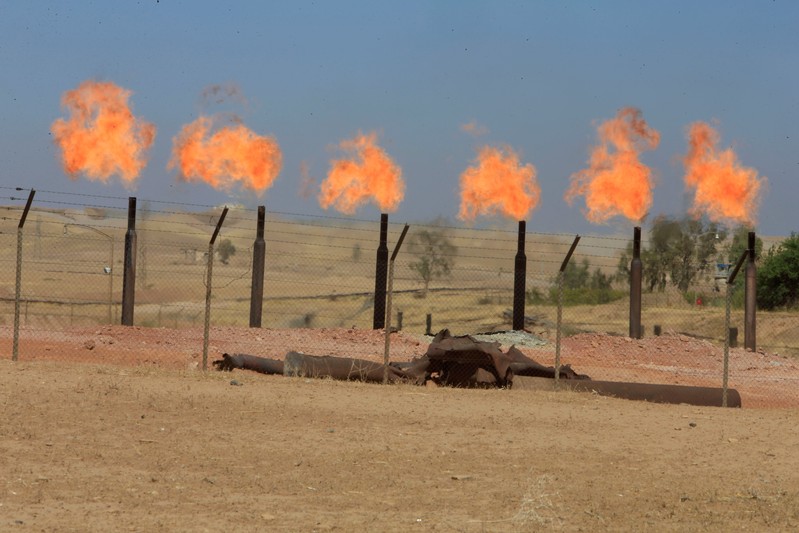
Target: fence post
{"points": [[635, 286], [129, 271], [208, 280], [519, 280], [563, 266], [726, 370], [388, 304], [258, 256], [18, 280], [381, 270]]}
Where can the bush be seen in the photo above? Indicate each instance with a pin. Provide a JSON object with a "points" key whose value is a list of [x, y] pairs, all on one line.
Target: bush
{"points": [[535, 296], [778, 276], [225, 249]]}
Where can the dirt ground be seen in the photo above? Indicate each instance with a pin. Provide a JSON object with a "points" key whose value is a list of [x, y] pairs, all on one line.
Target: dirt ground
{"points": [[116, 428]]}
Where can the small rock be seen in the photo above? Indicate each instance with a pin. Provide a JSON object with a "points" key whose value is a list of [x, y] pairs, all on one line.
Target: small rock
{"points": [[89, 344], [463, 477], [236, 383], [692, 424]]}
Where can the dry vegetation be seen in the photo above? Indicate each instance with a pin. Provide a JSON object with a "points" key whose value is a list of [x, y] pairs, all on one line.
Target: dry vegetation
{"points": [[318, 274]]}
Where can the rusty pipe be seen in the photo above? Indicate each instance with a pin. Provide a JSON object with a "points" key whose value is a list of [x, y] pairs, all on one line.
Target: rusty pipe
{"points": [[519, 279], [258, 260], [636, 268], [129, 268], [381, 275], [750, 297]]}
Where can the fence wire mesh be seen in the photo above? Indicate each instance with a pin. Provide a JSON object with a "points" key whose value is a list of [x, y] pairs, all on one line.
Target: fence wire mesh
{"points": [[319, 275]]}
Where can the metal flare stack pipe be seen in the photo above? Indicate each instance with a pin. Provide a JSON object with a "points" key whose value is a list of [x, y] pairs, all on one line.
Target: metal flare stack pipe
{"points": [[636, 268], [129, 270], [381, 276], [519, 280], [750, 297], [258, 259]]}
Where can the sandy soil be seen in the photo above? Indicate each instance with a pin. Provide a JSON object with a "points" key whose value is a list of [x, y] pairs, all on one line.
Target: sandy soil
{"points": [[147, 442]]}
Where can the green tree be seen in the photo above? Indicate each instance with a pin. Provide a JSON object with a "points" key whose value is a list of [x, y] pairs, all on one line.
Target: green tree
{"points": [[576, 276], [600, 281], [679, 251], [740, 242], [778, 275], [226, 250], [435, 256]]}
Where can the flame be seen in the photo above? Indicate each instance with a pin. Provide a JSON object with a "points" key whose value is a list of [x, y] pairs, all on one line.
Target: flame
{"points": [[616, 182], [231, 154], [498, 183], [724, 189], [101, 137], [369, 173]]}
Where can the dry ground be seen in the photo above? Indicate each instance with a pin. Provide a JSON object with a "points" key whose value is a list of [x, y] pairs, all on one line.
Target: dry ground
{"points": [[145, 442]]}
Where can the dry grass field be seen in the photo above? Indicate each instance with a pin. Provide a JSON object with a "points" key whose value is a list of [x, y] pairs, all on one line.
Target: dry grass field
{"points": [[101, 448], [112, 428], [319, 273]]}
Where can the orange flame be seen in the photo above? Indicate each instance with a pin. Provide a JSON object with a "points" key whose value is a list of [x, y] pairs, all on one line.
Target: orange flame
{"points": [[369, 173], [498, 183], [617, 183], [101, 137], [232, 154], [724, 189]]}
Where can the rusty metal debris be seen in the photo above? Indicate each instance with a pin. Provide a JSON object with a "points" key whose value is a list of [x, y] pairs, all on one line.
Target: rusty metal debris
{"points": [[463, 361]]}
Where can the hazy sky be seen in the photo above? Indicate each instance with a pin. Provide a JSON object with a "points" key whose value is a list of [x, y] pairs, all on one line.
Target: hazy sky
{"points": [[537, 76]]}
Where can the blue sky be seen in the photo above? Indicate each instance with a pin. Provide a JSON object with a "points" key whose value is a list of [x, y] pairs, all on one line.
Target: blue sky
{"points": [[538, 76]]}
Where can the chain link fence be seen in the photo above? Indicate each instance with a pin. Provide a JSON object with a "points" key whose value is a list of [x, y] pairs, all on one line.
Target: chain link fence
{"points": [[320, 273]]}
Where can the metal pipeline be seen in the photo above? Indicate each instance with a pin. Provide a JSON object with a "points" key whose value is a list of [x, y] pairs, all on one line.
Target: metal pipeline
{"points": [[381, 275], [649, 392], [519, 279], [635, 286]]}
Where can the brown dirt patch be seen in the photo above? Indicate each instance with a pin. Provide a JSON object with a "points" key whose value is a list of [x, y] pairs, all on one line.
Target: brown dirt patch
{"points": [[145, 443], [763, 379]]}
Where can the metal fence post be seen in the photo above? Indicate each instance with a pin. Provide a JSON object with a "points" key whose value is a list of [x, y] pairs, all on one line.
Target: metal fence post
{"points": [[388, 304], [726, 370], [208, 280], [563, 266], [18, 280]]}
